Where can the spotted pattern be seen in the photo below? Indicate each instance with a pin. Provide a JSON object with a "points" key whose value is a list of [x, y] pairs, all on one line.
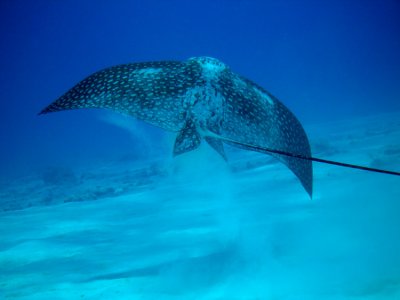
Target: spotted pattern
{"points": [[200, 97], [153, 92], [188, 139], [253, 116]]}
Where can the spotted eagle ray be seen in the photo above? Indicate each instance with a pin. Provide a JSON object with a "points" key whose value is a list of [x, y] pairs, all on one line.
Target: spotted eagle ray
{"points": [[201, 98]]}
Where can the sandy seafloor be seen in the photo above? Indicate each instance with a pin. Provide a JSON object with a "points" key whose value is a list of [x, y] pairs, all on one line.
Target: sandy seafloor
{"points": [[195, 227]]}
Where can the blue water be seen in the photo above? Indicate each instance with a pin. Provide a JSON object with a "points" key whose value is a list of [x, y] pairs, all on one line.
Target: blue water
{"points": [[327, 61]]}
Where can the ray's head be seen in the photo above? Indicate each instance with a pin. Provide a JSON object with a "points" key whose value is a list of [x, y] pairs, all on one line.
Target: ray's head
{"points": [[210, 66]]}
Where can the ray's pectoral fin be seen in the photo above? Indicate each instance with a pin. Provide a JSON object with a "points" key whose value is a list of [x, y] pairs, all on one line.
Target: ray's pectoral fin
{"points": [[217, 145], [188, 139]]}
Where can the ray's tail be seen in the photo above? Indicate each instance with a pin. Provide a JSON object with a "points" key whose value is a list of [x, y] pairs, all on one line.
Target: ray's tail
{"points": [[320, 160]]}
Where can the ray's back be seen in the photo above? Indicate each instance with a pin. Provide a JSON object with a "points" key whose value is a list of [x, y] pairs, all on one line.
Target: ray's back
{"points": [[152, 91], [254, 116]]}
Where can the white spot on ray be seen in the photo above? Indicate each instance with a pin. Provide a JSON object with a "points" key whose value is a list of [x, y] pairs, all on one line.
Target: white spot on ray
{"points": [[147, 72]]}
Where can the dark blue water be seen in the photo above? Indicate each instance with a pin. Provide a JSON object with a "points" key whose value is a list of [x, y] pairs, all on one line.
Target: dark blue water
{"points": [[325, 60]]}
